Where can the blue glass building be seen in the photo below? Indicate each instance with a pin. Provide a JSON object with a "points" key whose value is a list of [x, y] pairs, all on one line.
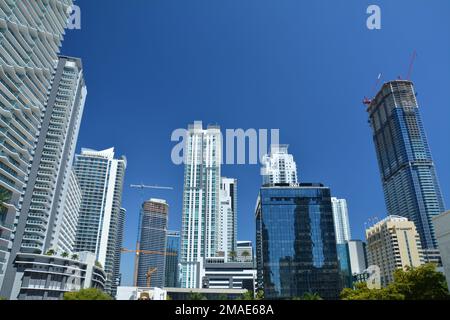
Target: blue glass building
{"points": [[344, 265], [295, 242], [172, 259], [411, 188], [153, 233]]}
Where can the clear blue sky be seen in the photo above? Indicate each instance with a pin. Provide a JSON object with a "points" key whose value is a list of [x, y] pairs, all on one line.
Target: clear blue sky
{"points": [[152, 66]]}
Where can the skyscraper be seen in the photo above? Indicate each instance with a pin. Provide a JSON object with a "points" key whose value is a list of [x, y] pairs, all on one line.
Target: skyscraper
{"points": [[42, 217], [153, 237], [410, 184], [27, 61], [201, 203], [358, 256], [227, 220], [393, 243], [172, 259], [341, 222], [295, 242], [279, 166], [101, 181], [119, 242]]}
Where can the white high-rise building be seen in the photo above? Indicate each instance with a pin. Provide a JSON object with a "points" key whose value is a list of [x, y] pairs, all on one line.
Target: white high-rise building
{"points": [[31, 33], [66, 231], [279, 167], [341, 221], [40, 223], [201, 200], [227, 221], [101, 180]]}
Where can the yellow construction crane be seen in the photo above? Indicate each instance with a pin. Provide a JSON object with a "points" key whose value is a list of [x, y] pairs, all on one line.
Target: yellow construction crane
{"points": [[124, 250], [148, 275]]}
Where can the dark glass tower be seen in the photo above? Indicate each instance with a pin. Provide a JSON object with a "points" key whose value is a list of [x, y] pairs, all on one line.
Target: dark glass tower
{"points": [[296, 243], [410, 184], [173, 253], [151, 265]]}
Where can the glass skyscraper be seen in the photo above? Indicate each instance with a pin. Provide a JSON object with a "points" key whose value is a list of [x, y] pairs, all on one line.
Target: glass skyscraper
{"points": [[172, 259], [295, 242], [153, 235], [410, 184]]}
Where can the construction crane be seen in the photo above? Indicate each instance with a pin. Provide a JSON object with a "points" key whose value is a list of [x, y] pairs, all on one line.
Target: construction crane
{"points": [[411, 65], [142, 187], [367, 101], [124, 250], [149, 274]]}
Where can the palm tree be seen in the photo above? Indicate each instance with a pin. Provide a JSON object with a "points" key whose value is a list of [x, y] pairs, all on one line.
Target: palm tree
{"points": [[232, 255], [64, 255], [51, 252], [74, 257], [245, 254]]}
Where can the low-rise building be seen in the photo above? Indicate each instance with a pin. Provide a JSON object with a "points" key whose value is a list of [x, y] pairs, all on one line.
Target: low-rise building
{"points": [[218, 274], [244, 251], [48, 277], [140, 293]]}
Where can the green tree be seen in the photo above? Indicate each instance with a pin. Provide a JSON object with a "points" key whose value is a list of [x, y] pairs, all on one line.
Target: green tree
{"points": [[196, 296], [64, 255], [3, 298], [259, 295], [222, 296], [50, 252], [248, 295], [98, 265], [232, 255], [87, 294], [421, 283], [74, 257], [246, 254], [362, 292], [310, 296]]}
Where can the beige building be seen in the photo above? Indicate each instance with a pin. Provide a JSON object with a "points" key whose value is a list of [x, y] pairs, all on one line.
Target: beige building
{"points": [[393, 243], [442, 230]]}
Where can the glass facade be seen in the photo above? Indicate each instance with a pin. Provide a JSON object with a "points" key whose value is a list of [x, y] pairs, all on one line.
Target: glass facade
{"points": [[296, 244], [411, 188], [173, 248], [153, 238], [344, 265]]}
